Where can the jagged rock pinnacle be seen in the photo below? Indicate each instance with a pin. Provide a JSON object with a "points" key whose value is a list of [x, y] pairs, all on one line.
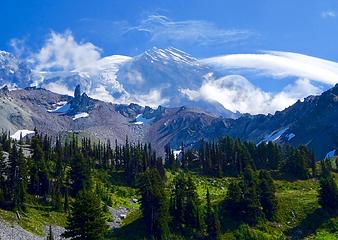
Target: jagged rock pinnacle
{"points": [[77, 92]]}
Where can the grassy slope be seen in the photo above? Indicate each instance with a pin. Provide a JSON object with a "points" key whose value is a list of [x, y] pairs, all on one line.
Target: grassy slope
{"points": [[299, 215], [35, 218]]}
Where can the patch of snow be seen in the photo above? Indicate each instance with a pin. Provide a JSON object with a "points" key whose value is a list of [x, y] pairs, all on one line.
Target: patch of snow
{"points": [[80, 115], [23, 133], [177, 153], [61, 108], [139, 120], [330, 154], [274, 136], [290, 136]]}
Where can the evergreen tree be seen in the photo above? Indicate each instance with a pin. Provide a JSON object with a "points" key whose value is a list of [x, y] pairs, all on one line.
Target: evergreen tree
{"points": [[233, 202], [3, 186], [170, 160], [21, 181], [86, 221], [212, 221], [154, 204], [185, 207], [39, 180], [242, 201], [328, 192], [252, 209], [66, 201], [50, 234], [192, 216], [178, 203], [297, 163], [80, 173], [267, 194], [12, 173]]}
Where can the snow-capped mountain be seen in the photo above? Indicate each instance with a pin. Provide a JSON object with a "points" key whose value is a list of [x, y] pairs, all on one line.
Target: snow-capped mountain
{"points": [[14, 72], [156, 77], [98, 79]]}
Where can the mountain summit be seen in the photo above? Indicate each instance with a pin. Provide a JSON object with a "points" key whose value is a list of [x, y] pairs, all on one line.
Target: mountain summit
{"points": [[155, 77]]}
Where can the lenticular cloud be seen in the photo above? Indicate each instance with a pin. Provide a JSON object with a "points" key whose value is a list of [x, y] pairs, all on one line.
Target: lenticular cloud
{"points": [[281, 64]]}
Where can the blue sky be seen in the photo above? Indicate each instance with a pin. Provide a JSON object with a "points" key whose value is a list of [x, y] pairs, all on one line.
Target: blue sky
{"points": [[304, 26], [240, 30]]}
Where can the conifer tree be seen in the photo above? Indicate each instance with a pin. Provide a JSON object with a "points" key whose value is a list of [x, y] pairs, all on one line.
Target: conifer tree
{"points": [[178, 203], [80, 173], [3, 187], [252, 209], [192, 216], [50, 234], [267, 194], [212, 221], [185, 207], [328, 192], [154, 204], [21, 185], [12, 170], [39, 180], [242, 201], [86, 220], [66, 201], [233, 203]]}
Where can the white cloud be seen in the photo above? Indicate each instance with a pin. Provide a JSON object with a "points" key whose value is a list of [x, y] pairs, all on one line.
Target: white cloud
{"points": [[102, 94], [280, 64], [236, 93], [59, 88], [329, 14], [161, 28], [62, 52], [134, 77], [19, 47], [152, 99]]}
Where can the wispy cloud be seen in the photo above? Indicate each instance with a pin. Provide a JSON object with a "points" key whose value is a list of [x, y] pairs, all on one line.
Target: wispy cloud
{"points": [[329, 14], [281, 64], [161, 28]]}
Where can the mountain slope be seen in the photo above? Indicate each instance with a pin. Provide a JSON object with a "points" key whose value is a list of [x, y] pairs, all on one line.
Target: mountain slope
{"points": [[56, 114], [311, 122]]}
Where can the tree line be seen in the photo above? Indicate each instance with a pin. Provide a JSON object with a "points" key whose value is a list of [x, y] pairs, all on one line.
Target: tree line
{"points": [[230, 157], [55, 171]]}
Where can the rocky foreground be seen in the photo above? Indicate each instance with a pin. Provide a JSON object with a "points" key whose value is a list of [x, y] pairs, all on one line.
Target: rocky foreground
{"points": [[13, 231]]}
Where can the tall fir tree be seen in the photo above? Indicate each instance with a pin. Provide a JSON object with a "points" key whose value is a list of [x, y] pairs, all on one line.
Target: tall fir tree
{"points": [[252, 209], [328, 192], [212, 221], [21, 182], [86, 221], [192, 215], [50, 235], [267, 194], [154, 204], [3, 183], [80, 173]]}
